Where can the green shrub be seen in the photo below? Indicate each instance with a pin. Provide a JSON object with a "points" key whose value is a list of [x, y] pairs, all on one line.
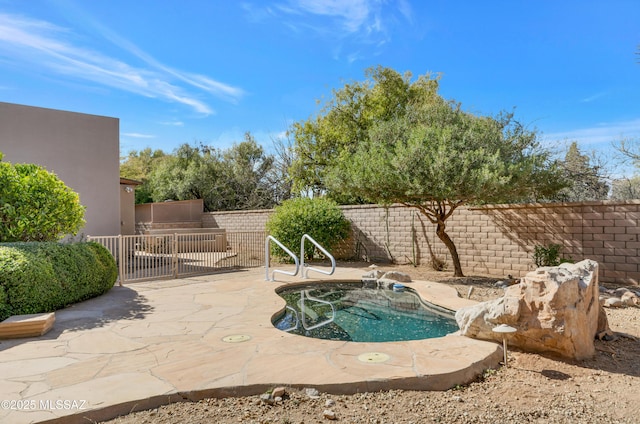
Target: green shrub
{"points": [[41, 277], [321, 218], [548, 255], [35, 205]]}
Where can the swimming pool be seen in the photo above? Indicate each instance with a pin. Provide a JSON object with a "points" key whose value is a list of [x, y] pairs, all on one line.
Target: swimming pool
{"points": [[360, 311]]}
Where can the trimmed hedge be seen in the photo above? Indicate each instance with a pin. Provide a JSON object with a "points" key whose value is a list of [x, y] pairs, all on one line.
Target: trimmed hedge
{"points": [[35, 205], [41, 277]]}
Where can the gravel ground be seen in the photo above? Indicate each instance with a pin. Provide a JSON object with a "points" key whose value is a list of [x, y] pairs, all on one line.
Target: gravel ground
{"points": [[532, 389]]}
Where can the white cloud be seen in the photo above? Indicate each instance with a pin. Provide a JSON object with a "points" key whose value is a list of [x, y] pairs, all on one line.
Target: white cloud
{"points": [[44, 46], [349, 24], [600, 139], [202, 82], [138, 135], [173, 123], [594, 97], [604, 133], [367, 22], [352, 15]]}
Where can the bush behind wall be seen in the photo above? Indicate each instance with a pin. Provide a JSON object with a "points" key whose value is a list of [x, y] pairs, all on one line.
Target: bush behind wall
{"points": [[45, 276]]}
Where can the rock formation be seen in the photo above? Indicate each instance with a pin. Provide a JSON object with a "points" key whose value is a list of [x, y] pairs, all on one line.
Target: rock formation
{"points": [[554, 309]]}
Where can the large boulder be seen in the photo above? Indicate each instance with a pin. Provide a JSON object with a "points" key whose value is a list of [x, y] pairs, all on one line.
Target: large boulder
{"points": [[554, 309]]}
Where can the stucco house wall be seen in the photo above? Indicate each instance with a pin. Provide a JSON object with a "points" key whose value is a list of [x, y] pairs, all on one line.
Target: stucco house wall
{"points": [[82, 149], [127, 206]]}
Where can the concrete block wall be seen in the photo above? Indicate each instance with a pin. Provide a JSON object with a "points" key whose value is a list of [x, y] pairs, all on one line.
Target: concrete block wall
{"points": [[491, 240], [237, 220]]}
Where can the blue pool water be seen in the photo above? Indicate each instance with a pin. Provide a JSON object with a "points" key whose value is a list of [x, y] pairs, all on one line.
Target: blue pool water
{"points": [[356, 311]]}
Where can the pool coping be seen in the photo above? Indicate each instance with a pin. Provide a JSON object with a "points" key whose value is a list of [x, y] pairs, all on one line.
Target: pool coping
{"points": [[148, 344]]}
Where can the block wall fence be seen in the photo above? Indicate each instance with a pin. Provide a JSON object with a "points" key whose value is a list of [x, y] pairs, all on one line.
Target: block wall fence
{"points": [[491, 240]]}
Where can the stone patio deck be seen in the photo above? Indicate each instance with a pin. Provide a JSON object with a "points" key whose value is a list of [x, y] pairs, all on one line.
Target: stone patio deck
{"points": [[148, 344]]}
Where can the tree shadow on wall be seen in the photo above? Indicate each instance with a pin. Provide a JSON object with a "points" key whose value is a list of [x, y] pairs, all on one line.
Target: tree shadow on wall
{"points": [[524, 227], [366, 247]]}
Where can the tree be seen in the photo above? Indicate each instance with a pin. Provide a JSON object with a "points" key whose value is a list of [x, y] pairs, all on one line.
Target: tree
{"points": [[139, 166], [246, 169], [35, 205], [584, 178], [345, 121], [189, 173], [630, 150], [626, 188], [424, 152], [231, 179], [278, 177]]}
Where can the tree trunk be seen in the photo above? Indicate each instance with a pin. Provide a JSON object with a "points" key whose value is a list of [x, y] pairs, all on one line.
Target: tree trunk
{"points": [[444, 237]]}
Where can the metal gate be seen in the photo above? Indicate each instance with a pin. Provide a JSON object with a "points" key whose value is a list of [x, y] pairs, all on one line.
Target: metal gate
{"points": [[162, 256]]}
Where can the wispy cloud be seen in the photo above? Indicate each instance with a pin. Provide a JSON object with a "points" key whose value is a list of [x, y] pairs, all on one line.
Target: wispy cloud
{"points": [[605, 133], [360, 21], [352, 16], [138, 135], [173, 123], [594, 97], [47, 47], [202, 82]]}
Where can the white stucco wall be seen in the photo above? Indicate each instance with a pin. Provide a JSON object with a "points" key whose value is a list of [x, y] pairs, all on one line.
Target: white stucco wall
{"points": [[82, 149]]}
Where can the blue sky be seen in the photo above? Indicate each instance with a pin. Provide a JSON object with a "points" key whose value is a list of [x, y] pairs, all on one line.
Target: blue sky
{"points": [[195, 71]]}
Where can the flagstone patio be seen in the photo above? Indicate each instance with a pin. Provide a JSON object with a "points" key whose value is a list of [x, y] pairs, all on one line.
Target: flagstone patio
{"points": [[151, 343]]}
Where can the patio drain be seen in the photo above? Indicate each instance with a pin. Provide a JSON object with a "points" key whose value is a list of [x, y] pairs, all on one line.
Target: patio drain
{"points": [[236, 338], [374, 357]]}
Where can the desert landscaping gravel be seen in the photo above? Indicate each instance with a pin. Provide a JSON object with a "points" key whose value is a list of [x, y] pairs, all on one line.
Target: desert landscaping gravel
{"points": [[533, 388]]}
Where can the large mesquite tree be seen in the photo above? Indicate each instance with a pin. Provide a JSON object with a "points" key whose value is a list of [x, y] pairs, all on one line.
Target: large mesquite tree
{"points": [[398, 141]]}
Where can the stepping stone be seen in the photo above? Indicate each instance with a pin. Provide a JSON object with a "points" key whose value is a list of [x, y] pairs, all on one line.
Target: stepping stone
{"points": [[32, 325]]}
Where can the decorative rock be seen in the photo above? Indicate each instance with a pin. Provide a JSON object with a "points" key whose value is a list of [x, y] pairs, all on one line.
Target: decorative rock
{"points": [[329, 403], [266, 398], [374, 273], [555, 309], [503, 284], [329, 414], [613, 302], [386, 283], [278, 392], [629, 298], [277, 399], [620, 291], [312, 393], [401, 277]]}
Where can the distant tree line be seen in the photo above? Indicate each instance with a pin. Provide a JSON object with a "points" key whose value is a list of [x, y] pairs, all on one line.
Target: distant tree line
{"points": [[238, 178], [367, 142]]}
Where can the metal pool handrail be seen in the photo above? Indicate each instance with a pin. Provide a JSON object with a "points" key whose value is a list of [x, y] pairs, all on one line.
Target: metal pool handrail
{"points": [[295, 315], [303, 311], [266, 259], [306, 270]]}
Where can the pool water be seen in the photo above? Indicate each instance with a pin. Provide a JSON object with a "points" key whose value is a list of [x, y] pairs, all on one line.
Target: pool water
{"points": [[358, 312]]}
